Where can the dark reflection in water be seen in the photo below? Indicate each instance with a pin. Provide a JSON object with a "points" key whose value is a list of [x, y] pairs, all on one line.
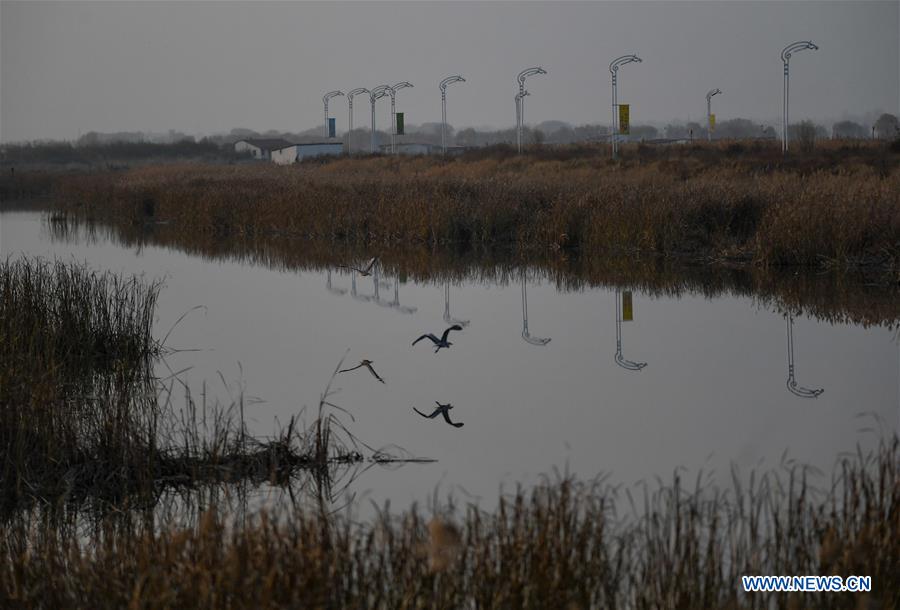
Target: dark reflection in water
{"points": [[620, 359], [795, 389], [526, 334], [861, 296], [715, 338]]}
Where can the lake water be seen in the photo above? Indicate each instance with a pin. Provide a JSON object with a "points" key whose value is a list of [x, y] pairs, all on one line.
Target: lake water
{"points": [[714, 391]]}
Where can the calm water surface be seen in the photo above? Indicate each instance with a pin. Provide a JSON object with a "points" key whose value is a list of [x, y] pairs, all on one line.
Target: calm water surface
{"points": [[713, 392]]}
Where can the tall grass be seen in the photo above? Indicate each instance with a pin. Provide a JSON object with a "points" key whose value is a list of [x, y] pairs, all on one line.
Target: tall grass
{"points": [[710, 206], [82, 415], [563, 544], [75, 361]]}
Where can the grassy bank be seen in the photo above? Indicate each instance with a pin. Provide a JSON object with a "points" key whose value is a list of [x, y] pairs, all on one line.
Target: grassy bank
{"points": [[82, 415], [823, 211], [560, 545]]}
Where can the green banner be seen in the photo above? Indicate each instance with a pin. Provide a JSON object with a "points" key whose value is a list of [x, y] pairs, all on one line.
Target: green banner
{"points": [[399, 123]]}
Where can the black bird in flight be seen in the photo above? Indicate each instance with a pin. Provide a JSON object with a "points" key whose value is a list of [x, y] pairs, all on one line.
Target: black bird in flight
{"points": [[443, 410], [368, 365], [442, 342], [364, 272]]}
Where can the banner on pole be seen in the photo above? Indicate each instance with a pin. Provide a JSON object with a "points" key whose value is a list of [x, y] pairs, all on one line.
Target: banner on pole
{"points": [[712, 122], [624, 123], [627, 309], [332, 128], [399, 123]]}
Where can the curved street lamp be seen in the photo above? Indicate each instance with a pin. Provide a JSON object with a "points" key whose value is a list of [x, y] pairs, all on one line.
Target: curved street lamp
{"points": [[392, 91], [443, 86], [350, 95], [786, 53], [447, 317], [520, 102], [709, 96], [325, 99], [614, 71], [333, 289], [792, 386], [519, 97], [619, 358], [375, 94], [525, 333]]}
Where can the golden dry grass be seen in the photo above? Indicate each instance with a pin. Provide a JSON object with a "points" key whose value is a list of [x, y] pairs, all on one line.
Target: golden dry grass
{"points": [[708, 206], [559, 545]]}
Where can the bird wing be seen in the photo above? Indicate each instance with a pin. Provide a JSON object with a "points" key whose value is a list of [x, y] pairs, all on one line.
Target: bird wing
{"points": [[433, 414], [447, 332], [427, 336], [371, 263], [371, 370], [348, 370], [446, 415]]}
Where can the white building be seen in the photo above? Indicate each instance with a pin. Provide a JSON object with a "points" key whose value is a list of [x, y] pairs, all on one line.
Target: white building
{"points": [[297, 152], [260, 148]]}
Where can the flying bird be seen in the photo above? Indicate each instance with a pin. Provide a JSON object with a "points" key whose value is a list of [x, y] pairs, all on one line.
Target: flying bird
{"points": [[364, 272], [442, 342], [443, 410], [368, 365]]}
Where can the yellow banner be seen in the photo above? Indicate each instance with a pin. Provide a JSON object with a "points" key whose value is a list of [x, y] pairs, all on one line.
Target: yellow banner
{"points": [[627, 310], [624, 123], [712, 122]]}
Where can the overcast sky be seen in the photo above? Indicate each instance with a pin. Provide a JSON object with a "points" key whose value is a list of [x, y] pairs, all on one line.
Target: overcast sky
{"points": [[67, 68]]}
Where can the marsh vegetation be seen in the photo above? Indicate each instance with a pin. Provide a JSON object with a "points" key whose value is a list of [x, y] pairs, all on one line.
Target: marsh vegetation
{"points": [[717, 203], [562, 544]]}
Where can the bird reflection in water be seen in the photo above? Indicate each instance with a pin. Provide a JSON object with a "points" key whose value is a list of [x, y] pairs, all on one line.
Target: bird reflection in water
{"points": [[441, 410]]}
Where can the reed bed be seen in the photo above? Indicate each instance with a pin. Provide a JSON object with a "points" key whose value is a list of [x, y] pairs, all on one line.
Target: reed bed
{"points": [[82, 415], [863, 297], [562, 544], [764, 211], [75, 358]]}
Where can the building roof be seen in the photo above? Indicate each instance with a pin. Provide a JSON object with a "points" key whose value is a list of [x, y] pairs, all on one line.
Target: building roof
{"points": [[341, 144], [269, 144]]}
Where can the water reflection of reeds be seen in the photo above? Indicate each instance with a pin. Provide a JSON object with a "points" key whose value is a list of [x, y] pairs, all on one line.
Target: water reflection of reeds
{"points": [[857, 297], [563, 544]]}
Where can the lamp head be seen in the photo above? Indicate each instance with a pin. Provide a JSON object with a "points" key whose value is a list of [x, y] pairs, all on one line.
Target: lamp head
{"points": [[330, 95], [450, 80]]}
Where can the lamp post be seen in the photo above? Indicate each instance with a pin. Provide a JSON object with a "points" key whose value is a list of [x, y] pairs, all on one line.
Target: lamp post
{"points": [[792, 386], [519, 97], [375, 94], [709, 96], [786, 58], [392, 91], [614, 71], [325, 99], [621, 360], [350, 95], [520, 102], [443, 86], [526, 334]]}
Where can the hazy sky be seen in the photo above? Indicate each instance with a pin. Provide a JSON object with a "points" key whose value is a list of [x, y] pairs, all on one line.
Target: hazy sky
{"points": [[67, 68]]}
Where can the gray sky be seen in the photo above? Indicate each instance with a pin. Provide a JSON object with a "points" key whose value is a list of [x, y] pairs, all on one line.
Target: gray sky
{"points": [[67, 68]]}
